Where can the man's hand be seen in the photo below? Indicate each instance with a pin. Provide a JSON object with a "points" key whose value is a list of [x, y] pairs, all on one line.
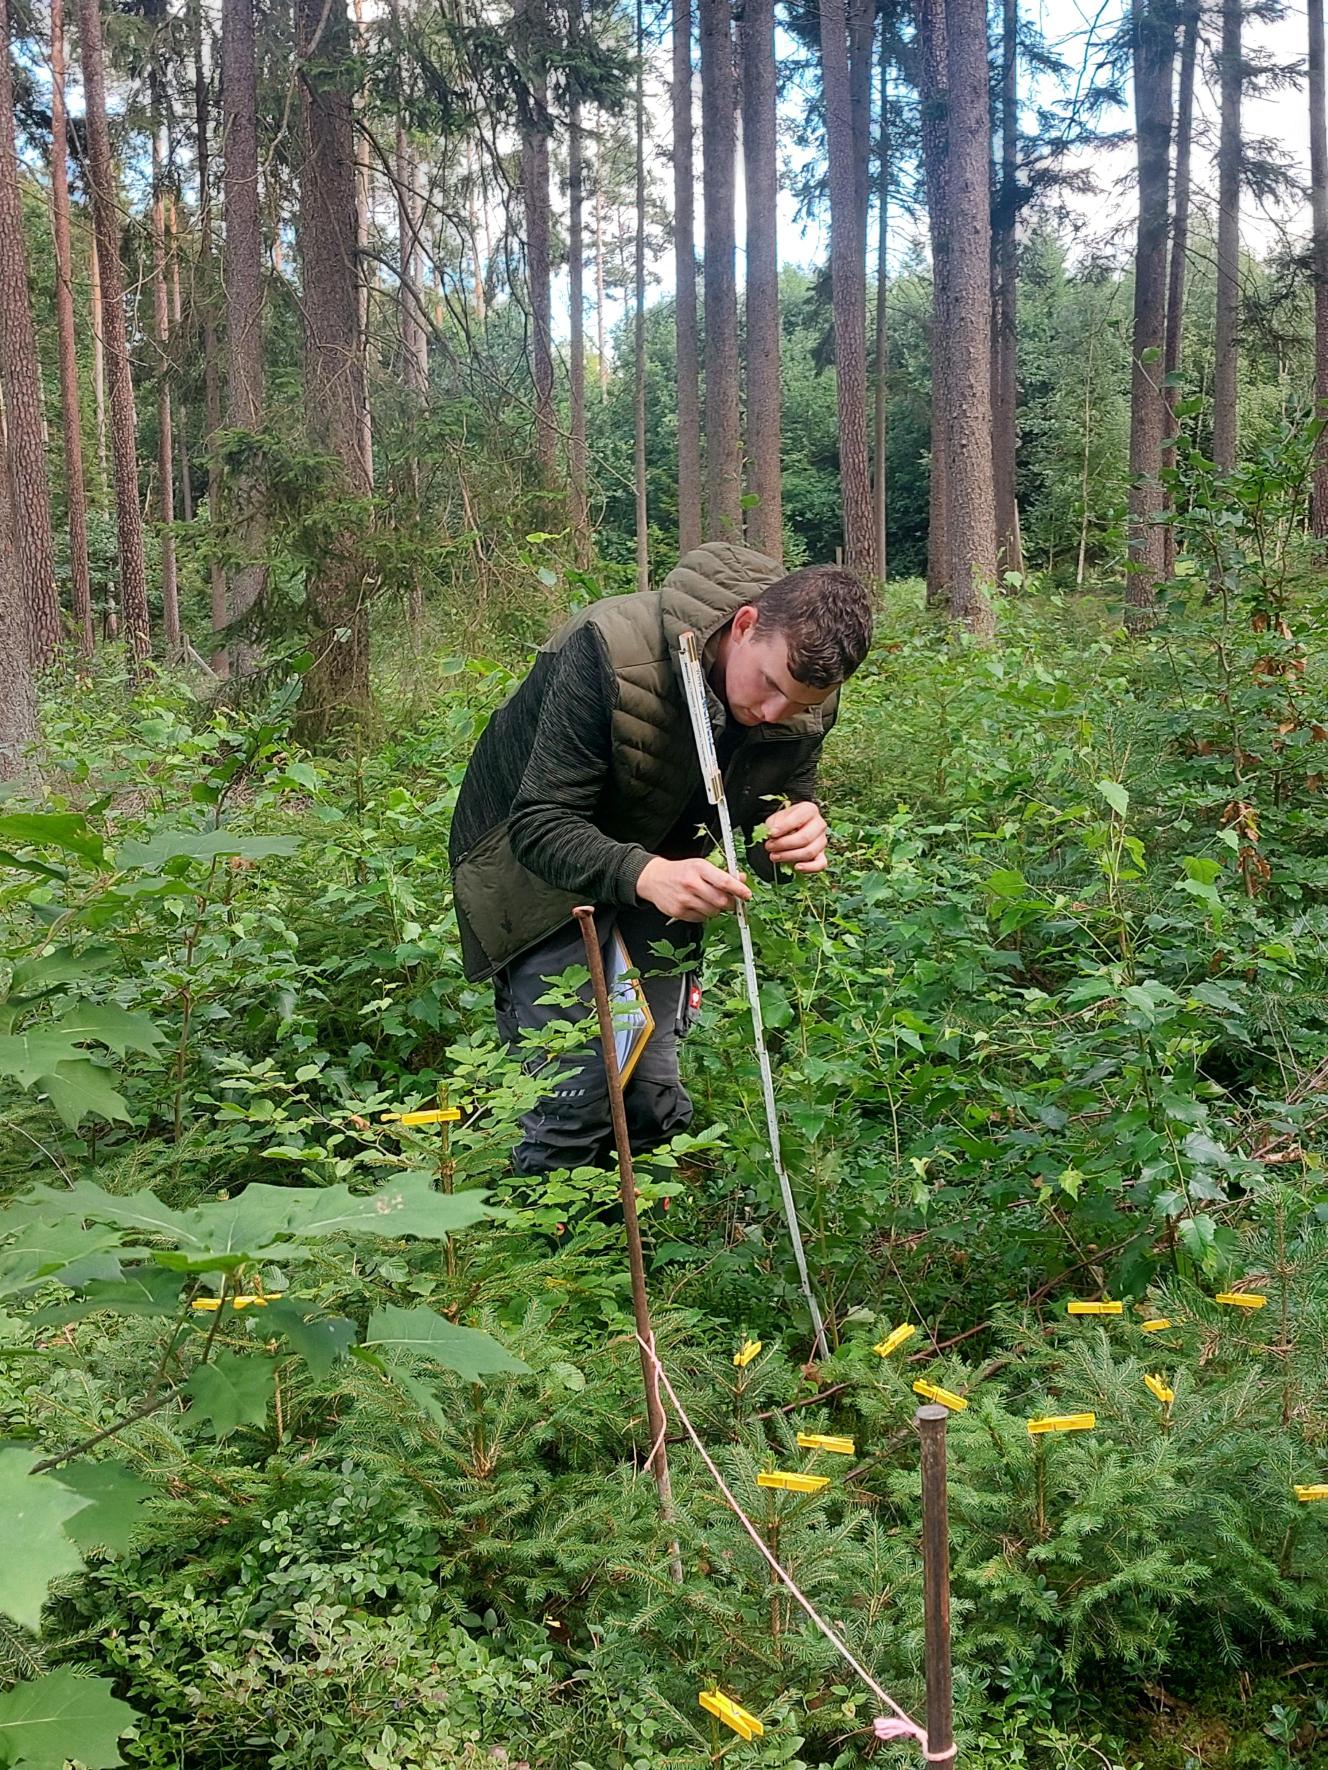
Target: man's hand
{"points": [[796, 836], [689, 890]]}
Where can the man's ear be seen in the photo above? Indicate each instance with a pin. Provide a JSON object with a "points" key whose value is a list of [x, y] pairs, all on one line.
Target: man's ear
{"points": [[743, 621]]}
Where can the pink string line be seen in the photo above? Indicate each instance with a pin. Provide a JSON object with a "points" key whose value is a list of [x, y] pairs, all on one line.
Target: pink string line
{"points": [[899, 1726]]}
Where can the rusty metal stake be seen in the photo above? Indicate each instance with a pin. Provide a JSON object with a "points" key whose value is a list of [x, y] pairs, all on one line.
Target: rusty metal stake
{"points": [[655, 1420], [931, 1423]]}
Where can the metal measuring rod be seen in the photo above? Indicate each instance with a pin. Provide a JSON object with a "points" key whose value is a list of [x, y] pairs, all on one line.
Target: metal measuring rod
{"points": [[693, 677]]}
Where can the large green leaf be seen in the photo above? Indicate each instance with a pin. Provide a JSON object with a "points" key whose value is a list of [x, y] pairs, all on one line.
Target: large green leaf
{"points": [[50, 1060], [425, 1333], [65, 830], [198, 845], [47, 1721], [77, 1089], [38, 1548], [233, 1390], [146, 1291], [41, 1250], [111, 1025], [320, 1340], [114, 1495]]}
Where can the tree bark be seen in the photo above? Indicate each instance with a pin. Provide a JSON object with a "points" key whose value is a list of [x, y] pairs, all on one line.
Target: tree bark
{"points": [[880, 439], [336, 689], [684, 305], [177, 321], [765, 519], [20, 385], [848, 278], [639, 318], [1153, 33], [532, 26], [602, 369], [934, 94], [576, 298], [18, 702], [75, 490], [1319, 207], [1180, 236], [170, 592], [364, 271], [1005, 434], [207, 290], [414, 339], [473, 219], [1225, 344], [98, 353], [967, 335], [723, 447], [123, 418]]}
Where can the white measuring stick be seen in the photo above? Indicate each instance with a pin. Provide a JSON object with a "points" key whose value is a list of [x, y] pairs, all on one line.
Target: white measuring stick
{"points": [[694, 682]]}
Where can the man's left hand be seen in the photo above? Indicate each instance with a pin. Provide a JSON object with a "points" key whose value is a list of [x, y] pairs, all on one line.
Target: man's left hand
{"points": [[796, 836]]}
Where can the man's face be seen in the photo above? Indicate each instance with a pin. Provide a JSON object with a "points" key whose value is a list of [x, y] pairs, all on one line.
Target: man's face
{"points": [[757, 686]]}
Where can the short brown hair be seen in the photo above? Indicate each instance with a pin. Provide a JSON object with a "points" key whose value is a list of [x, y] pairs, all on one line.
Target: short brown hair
{"points": [[825, 615]]}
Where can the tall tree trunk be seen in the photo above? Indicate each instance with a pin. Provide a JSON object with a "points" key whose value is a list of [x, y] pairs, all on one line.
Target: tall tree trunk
{"points": [[473, 217], [177, 321], [967, 337], [207, 289], [639, 317], [1180, 237], [723, 447], [18, 702], [1005, 434], [603, 367], [170, 593], [414, 339], [243, 264], [1319, 205], [684, 304], [765, 519], [848, 277], [124, 419], [364, 271], [861, 16], [934, 76], [576, 297], [20, 386], [880, 440], [532, 28], [98, 352], [75, 491], [1154, 42], [1225, 346], [336, 688]]}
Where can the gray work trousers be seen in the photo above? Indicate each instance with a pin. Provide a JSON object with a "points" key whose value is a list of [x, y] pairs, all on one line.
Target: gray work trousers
{"points": [[571, 1127]]}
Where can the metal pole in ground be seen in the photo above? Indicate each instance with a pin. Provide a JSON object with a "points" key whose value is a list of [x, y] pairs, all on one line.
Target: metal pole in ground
{"points": [[655, 1421], [931, 1423]]}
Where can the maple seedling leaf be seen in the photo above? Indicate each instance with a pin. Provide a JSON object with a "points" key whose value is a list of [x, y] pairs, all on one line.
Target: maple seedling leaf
{"points": [[233, 1390], [34, 1508], [49, 1720]]}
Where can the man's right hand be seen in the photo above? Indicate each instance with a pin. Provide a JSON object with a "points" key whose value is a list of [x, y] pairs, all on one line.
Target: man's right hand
{"points": [[689, 890]]}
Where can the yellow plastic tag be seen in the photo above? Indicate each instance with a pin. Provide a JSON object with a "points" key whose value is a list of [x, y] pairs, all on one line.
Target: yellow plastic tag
{"points": [[749, 1351], [1240, 1299], [1157, 1326], [932, 1392], [792, 1481], [743, 1722], [436, 1115], [206, 1304], [1164, 1392], [1063, 1423], [893, 1341], [1317, 1490], [840, 1447], [1086, 1308]]}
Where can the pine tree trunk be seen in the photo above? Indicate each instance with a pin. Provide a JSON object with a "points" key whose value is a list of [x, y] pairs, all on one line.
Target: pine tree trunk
{"points": [[20, 388], [848, 276], [75, 490], [1005, 435], [723, 446], [861, 15], [242, 260], [967, 339], [576, 296], [18, 702], [206, 290], [98, 353], [531, 24], [1225, 345], [1180, 236], [603, 365], [336, 689], [880, 439], [1319, 206], [177, 321], [473, 220], [639, 318], [1153, 32], [364, 272], [170, 593], [123, 418], [934, 107], [684, 306], [765, 519], [414, 339]]}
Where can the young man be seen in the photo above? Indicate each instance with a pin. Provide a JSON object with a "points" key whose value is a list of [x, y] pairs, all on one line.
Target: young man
{"points": [[585, 788]]}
